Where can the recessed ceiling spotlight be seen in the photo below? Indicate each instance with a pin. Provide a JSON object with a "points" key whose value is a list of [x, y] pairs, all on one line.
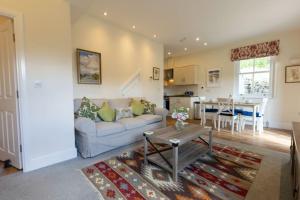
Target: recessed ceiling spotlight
{"points": [[169, 53], [205, 44], [105, 13], [197, 39], [185, 49], [155, 36], [133, 26]]}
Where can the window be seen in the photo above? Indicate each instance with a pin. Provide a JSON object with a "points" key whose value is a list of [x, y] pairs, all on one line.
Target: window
{"points": [[255, 77]]}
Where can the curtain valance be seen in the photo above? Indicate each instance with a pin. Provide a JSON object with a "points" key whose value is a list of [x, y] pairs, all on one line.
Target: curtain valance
{"points": [[255, 51]]}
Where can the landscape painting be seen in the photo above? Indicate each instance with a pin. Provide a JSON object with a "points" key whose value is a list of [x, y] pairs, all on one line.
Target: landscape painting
{"points": [[88, 67], [292, 74]]}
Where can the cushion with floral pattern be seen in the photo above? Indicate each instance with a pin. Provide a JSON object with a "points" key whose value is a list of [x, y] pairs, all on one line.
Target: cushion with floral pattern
{"points": [[149, 108], [88, 109]]}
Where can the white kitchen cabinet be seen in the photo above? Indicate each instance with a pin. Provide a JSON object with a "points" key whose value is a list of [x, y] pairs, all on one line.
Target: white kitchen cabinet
{"points": [[187, 75], [187, 102]]}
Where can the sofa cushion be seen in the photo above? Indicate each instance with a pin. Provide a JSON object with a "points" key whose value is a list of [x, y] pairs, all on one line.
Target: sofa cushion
{"points": [[148, 107], [107, 128], [137, 107], [97, 102], [106, 113], [131, 123], [88, 109], [150, 119], [123, 113]]}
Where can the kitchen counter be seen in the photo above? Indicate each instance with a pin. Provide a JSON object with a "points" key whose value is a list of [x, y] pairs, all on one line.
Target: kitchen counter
{"points": [[177, 101], [178, 96]]}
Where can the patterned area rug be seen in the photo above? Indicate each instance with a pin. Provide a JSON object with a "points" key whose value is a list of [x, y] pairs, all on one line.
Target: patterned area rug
{"points": [[227, 175]]}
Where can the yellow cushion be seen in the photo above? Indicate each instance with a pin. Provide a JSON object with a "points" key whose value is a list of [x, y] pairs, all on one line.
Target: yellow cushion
{"points": [[137, 107], [106, 113]]}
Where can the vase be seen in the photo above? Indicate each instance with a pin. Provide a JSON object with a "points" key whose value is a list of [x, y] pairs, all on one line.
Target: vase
{"points": [[179, 125]]}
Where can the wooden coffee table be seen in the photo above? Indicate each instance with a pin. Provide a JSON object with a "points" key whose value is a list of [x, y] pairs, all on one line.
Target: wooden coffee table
{"points": [[181, 152]]}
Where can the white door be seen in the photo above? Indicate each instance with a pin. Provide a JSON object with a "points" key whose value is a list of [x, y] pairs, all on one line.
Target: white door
{"points": [[9, 118]]}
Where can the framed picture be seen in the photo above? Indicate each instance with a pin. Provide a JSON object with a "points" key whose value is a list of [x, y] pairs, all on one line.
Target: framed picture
{"points": [[292, 74], [214, 77], [88, 67], [156, 73]]}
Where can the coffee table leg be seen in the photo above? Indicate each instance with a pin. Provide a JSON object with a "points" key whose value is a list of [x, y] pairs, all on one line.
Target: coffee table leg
{"points": [[145, 150], [210, 143], [175, 161]]}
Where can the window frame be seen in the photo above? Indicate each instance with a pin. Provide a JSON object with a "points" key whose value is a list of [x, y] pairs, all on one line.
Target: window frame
{"points": [[271, 79]]}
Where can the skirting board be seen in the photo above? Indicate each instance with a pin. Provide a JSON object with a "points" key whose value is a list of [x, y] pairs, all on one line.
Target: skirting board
{"points": [[50, 159], [281, 125], [278, 125]]}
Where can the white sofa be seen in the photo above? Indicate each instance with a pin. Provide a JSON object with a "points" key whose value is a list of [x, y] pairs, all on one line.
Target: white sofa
{"points": [[93, 138]]}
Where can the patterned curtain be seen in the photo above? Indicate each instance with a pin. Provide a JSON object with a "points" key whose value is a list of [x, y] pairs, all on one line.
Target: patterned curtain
{"points": [[256, 51]]}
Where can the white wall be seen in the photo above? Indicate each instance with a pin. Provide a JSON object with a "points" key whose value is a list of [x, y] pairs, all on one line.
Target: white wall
{"points": [[3, 19], [48, 129], [284, 107], [123, 54]]}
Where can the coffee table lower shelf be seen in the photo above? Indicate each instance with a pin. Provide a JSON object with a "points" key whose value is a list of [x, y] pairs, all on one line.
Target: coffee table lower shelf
{"points": [[187, 154]]}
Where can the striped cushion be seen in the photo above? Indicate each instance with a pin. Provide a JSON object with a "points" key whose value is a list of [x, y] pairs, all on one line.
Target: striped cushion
{"points": [[250, 114], [238, 111], [213, 110], [228, 114]]}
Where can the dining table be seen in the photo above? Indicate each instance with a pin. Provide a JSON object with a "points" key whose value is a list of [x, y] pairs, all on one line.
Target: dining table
{"points": [[241, 104]]}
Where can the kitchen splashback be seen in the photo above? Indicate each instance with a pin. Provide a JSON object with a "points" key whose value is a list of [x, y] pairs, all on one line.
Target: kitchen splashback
{"points": [[180, 89]]}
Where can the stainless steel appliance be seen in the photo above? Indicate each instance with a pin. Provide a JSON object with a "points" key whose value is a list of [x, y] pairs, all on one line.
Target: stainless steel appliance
{"points": [[197, 110]]}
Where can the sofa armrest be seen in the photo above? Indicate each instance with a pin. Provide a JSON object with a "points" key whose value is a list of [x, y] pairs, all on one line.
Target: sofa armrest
{"points": [[85, 125], [163, 112]]}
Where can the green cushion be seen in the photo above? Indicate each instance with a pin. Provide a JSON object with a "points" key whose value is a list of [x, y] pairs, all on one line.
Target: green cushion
{"points": [[88, 109], [149, 108], [106, 113], [137, 107]]}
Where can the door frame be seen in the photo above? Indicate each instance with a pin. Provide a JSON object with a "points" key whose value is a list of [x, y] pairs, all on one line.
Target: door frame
{"points": [[21, 74]]}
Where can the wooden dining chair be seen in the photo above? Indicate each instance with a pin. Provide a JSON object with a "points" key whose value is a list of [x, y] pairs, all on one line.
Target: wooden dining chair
{"points": [[226, 113], [247, 116], [210, 113]]}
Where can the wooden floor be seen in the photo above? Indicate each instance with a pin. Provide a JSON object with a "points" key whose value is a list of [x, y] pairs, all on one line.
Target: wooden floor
{"points": [[6, 171], [274, 139]]}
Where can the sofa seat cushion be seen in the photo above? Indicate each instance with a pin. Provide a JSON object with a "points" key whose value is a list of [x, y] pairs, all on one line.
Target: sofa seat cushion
{"points": [[150, 119], [107, 128], [131, 123]]}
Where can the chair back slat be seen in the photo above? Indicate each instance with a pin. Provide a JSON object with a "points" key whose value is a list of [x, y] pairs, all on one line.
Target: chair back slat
{"points": [[263, 106], [226, 105]]}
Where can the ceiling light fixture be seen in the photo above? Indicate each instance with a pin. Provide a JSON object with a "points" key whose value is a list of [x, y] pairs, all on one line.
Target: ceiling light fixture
{"points": [[133, 26], [185, 49], [105, 13], [155, 36], [205, 43], [197, 39]]}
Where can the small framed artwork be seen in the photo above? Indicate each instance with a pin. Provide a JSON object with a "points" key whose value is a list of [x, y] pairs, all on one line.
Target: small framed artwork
{"points": [[156, 73], [292, 74], [214, 77], [88, 67]]}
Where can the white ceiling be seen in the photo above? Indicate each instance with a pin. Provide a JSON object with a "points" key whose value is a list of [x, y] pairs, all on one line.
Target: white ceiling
{"points": [[216, 22]]}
